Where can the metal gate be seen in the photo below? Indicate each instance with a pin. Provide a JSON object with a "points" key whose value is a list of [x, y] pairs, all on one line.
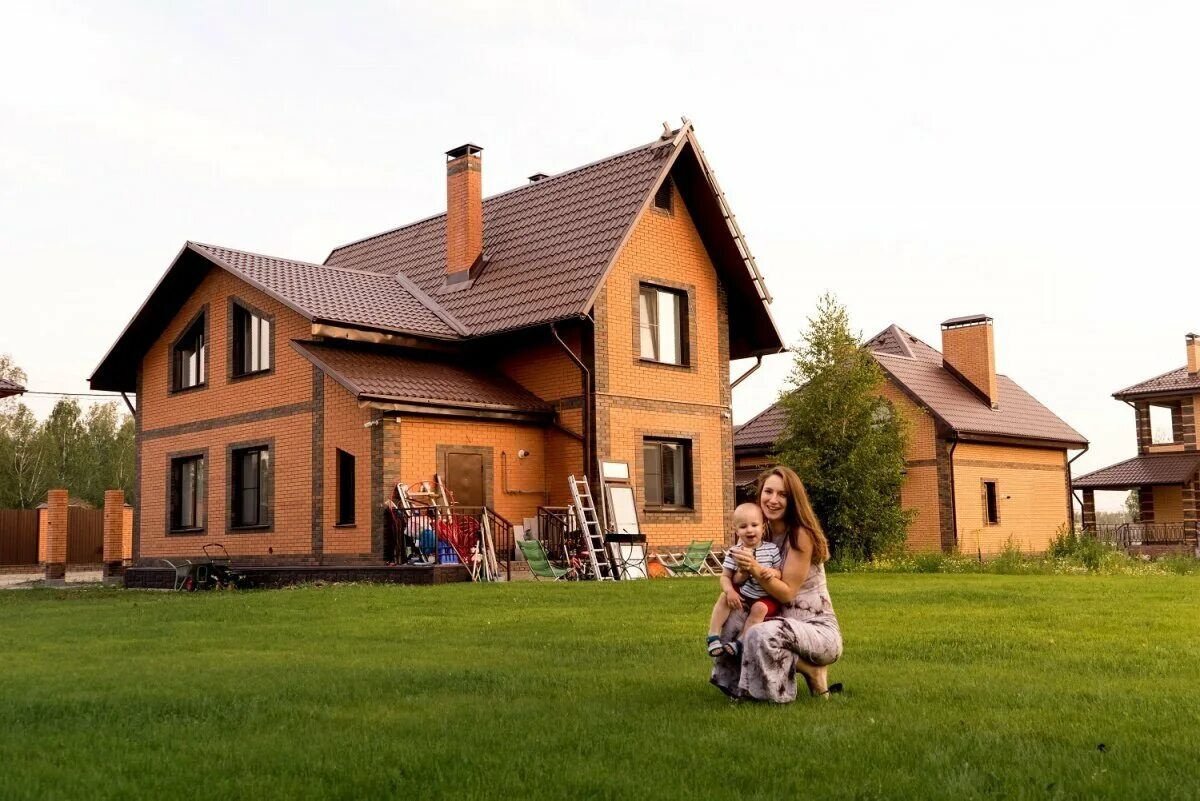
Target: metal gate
{"points": [[18, 537], [85, 536]]}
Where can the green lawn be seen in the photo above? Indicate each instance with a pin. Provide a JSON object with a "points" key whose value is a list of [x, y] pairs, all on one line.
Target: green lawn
{"points": [[957, 687]]}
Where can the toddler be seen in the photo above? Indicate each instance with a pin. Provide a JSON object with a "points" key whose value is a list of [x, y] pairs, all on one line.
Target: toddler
{"points": [[737, 587]]}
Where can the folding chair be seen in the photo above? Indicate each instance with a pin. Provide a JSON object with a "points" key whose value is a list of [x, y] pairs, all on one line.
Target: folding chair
{"points": [[695, 560], [539, 563]]}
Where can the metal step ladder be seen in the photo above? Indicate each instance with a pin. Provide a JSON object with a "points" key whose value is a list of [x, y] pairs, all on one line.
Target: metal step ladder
{"points": [[589, 524]]}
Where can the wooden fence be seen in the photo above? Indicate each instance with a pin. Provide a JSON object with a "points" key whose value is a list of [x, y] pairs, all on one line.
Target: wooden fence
{"points": [[18, 537]]}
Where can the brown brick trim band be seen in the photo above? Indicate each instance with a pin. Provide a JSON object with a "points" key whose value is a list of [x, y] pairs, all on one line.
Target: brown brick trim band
{"points": [[657, 405], [947, 526], [1053, 468], [229, 420], [921, 463]]}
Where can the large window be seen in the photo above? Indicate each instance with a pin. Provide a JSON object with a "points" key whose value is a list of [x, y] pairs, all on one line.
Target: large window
{"points": [[189, 357], [187, 493], [667, 473], [251, 487], [251, 342], [662, 320], [345, 488]]}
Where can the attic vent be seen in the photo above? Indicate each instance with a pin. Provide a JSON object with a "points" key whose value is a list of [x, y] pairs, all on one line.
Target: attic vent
{"points": [[663, 197], [538, 176]]}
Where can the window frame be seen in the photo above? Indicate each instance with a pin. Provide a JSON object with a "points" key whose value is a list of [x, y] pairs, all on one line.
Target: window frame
{"points": [[340, 489], [991, 504], [237, 305], [682, 324], [266, 486], [688, 478], [200, 493], [174, 377]]}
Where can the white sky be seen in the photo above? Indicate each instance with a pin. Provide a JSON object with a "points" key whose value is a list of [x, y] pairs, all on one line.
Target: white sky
{"points": [[1038, 162]]}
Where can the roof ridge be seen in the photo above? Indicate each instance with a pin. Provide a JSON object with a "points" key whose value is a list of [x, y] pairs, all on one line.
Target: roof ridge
{"points": [[649, 145], [283, 258], [1151, 378], [442, 314]]}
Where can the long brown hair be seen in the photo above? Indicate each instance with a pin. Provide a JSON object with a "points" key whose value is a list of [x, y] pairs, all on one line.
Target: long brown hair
{"points": [[798, 515]]}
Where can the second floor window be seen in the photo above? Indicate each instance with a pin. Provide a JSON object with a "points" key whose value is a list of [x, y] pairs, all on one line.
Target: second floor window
{"points": [[251, 342], [250, 490], [662, 321], [187, 493], [189, 357]]}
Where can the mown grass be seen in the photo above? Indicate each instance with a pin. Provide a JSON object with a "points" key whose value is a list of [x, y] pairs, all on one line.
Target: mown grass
{"points": [[958, 686]]}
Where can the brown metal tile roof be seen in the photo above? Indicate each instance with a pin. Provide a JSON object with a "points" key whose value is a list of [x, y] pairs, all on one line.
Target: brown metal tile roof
{"points": [[345, 296], [390, 375], [1018, 415], [547, 244], [10, 388], [745, 476], [1161, 468], [1172, 381], [761, 430]]}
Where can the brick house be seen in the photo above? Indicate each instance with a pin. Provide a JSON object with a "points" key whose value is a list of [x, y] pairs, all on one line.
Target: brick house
{"points": [[986, 461], [504, 344], [1166, 470], [10, 388]]}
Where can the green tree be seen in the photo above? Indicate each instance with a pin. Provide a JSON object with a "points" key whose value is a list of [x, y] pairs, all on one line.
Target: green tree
{"points": [[843, 438], [62, 441], [105, 453], [10, 370], [24, 473]]}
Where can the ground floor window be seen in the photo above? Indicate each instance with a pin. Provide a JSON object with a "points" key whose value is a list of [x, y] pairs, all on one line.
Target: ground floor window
{"points": [[250, 491], [991, 504], [667, 473], [345, 488], [187, 493]]}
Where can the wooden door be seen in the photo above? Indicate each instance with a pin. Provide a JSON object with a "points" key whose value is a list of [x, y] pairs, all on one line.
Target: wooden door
{"points": [[464, 478]]}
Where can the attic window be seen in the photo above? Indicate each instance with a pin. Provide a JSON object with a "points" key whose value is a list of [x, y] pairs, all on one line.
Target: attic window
{"points": [[189, 357], [663, 197]]}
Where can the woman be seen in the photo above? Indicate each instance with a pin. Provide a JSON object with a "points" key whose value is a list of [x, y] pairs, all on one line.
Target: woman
{"points": [[806, 637]]}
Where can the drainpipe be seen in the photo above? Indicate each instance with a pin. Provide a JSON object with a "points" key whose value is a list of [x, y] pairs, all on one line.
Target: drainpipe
{"points": [[586, 383], [745, 375], [1071, 490], [953, 499]]}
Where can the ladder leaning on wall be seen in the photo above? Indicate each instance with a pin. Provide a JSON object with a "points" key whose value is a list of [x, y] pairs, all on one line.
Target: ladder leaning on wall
{"points": [[589, 524]]}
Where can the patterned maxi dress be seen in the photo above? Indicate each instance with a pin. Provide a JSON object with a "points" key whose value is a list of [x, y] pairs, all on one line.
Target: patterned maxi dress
{"points": [[807, 628]]}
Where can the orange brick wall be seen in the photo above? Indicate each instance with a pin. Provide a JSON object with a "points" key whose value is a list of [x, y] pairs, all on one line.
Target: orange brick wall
{"points": [[419, 438], [292, 491], [920, 490], [922, 435], [291, 381], [1168, 504], [343, 428], [636, 399], [971, 351], [537, 362], [289, 384], [1031, 484]]}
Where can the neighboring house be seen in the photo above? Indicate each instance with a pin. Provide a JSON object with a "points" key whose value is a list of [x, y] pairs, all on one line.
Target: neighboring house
{"points": [[504, 344], [10, 388], [1165, 470], [986, 462]]}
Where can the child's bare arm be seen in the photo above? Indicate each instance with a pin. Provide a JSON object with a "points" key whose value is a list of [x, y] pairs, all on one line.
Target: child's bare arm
{"points": [[732, 598]]}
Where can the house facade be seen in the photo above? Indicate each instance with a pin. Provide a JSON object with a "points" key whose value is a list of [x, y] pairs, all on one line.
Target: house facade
{"points": [[1166, 471], [986, 465], [502, 345]]}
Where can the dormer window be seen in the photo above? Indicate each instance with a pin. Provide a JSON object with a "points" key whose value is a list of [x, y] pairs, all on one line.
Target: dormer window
{"points": [[189, 356], [251, 338], [663, 197], [663, 326]]}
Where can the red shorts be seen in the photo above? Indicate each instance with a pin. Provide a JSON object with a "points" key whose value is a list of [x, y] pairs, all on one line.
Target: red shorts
{"points": [[773, 606]]}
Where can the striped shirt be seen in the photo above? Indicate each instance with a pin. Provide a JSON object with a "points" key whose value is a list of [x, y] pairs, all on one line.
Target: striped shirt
{"points": [[766, 554]]}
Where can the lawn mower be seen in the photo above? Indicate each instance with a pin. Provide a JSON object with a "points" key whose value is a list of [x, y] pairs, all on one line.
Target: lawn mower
{"points": [[213, 572]]}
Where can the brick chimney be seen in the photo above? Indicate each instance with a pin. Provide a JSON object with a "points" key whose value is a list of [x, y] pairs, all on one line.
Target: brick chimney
{"points": [[969, 351], [464, 212], [1193, 350]]}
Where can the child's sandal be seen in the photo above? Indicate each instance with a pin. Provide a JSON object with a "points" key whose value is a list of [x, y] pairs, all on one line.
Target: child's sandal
{"points": [[733, 649], [714, 645]]}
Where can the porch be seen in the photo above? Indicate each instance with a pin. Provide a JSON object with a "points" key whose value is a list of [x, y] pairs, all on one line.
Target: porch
{"points": [[1168, 492]]}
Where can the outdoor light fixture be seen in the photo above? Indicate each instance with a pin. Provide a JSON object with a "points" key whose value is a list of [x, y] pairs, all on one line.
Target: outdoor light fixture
{"points": [[522, 454]]}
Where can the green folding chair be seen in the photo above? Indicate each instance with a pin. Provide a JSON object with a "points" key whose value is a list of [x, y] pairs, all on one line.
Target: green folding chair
{"points": [[539, 563], [695, 560]]}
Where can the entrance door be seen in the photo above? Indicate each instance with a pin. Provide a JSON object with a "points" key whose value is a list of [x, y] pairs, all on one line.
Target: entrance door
{"points": [[464, 478]]}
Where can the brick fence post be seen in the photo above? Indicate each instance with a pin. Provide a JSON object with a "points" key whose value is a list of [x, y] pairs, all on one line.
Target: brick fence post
{"points": [[114, 525], [56, 535]]}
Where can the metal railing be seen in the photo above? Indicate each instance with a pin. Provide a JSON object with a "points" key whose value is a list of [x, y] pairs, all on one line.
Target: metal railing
{"points": [[429, 535], [558, 532], [1125, 535]]}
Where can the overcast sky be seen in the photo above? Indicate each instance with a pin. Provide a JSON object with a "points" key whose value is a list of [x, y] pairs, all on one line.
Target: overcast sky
{"points": [[1037, 162]]}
